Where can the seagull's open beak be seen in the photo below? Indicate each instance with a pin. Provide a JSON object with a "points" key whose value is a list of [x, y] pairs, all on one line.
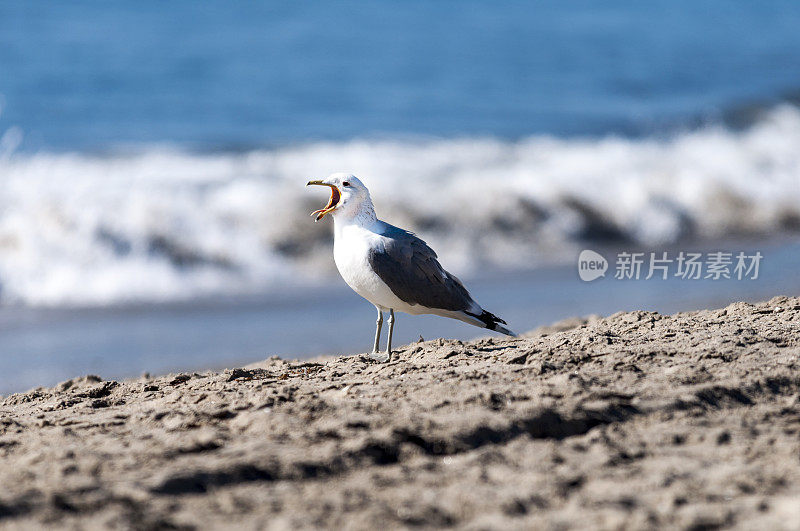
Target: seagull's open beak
{"points": [[332, 202]]}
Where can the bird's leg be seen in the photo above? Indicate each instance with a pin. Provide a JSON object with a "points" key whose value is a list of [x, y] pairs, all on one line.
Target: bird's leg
{"points": [[378, 356], [391, 329], [378, 325]]}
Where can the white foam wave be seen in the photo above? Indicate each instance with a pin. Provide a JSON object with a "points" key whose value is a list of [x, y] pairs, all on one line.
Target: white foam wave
{"points": [[164, 224]]}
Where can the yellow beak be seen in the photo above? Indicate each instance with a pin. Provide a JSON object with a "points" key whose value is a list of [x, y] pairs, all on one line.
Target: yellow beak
{"points": [[332, 202]]}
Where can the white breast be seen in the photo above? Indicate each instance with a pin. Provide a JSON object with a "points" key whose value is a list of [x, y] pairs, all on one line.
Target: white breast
{"points": [[351, 250]]}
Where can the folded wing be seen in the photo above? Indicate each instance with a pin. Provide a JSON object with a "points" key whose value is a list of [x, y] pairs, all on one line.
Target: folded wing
{"points": [[412, 271]]}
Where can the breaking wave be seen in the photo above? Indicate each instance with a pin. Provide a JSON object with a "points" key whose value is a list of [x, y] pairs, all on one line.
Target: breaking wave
{"points": [[164, 224]]}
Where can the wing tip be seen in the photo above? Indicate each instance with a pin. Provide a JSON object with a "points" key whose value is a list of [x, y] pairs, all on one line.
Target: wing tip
{"points": [[504, 330], [492, 322]]}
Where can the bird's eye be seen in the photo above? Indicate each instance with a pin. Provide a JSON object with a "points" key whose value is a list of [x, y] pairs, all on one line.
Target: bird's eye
{"points": [[346, 183]]}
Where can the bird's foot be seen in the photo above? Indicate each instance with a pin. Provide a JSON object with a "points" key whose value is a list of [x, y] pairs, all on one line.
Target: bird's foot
{"points": [[380, 357]]}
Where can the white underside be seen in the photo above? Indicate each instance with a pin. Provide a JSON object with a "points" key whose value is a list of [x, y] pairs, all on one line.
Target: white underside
{"points": [[351, 253], [352, 245]]}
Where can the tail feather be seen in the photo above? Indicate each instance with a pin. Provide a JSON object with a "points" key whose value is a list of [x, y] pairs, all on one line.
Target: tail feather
{"points": [[492, 322]]}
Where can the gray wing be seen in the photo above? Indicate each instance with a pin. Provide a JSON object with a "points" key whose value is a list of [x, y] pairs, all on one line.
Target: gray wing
{"points": [[411, 270]]}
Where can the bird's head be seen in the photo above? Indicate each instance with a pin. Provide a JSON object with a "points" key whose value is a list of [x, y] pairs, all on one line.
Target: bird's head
{"points": [[348, 195]]}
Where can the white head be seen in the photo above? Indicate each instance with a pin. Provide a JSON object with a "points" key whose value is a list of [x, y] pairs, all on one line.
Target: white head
{"points": [[349, 198]]}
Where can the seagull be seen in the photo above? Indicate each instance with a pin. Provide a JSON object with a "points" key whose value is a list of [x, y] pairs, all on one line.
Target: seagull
{"points": [[390, 266]]}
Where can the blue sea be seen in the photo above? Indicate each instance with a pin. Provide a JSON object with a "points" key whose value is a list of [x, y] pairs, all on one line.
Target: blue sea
{"points": [[153, 156], [236, 75]]}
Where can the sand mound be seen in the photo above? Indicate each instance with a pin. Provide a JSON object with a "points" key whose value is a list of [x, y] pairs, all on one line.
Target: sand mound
{"points": [[634, 420]]}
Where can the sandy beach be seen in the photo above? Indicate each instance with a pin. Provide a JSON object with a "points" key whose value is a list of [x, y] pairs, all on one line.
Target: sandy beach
{"points": [[182, 329], [636, 420]]}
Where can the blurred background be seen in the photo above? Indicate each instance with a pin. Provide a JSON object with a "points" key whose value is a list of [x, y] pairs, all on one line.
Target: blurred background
{"points": [[153, 155]]}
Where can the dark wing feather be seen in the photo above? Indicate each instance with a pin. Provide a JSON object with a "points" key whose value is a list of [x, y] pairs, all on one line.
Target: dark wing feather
{"points": [[411, 270]]}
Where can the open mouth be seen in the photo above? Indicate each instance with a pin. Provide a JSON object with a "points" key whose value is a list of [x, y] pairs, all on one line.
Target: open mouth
{"points": [[333, 202]]}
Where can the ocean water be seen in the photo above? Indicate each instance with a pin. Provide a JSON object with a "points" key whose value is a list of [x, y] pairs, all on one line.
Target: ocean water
{"points": [[153, 156], [81, 229], [239, 74]]}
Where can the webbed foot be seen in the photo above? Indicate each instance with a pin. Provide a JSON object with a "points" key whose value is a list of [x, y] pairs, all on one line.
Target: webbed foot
{"points": [[380, 357]]}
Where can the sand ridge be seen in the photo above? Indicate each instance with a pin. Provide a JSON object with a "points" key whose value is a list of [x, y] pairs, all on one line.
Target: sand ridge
{"points": [[635, 420]]}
